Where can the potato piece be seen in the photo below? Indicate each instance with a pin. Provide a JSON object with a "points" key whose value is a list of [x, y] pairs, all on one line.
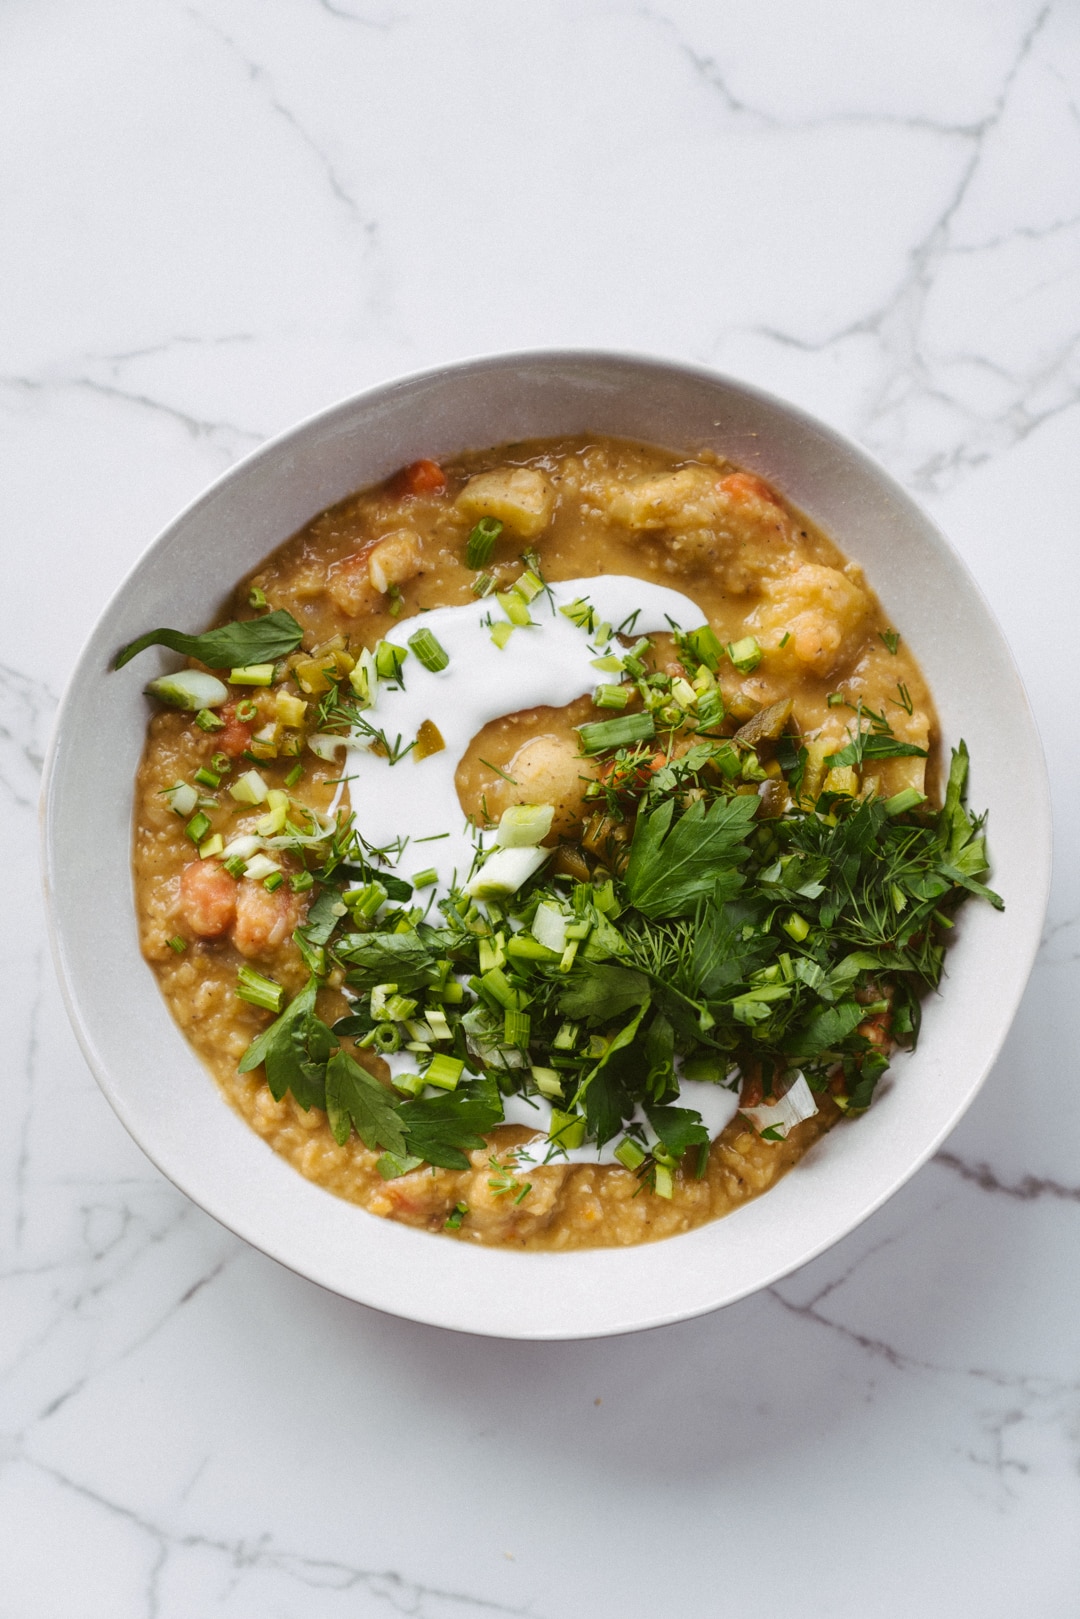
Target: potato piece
{"points": [[889, 776], [688, 498], [520, 497], [820, 610]]}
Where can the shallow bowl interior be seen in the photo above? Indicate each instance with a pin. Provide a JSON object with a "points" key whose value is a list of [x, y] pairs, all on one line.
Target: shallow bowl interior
{"points": [[170, 1104]]}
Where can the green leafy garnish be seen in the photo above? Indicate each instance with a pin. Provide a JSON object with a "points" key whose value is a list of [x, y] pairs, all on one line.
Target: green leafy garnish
{"points": [[672, 868], [253, 640]]}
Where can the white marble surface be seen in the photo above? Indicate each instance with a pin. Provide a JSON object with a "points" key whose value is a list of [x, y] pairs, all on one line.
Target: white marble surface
{"points": [[220, 215]]}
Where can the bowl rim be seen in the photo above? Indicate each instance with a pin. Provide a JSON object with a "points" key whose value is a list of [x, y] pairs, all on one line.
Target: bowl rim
{"points": [[638, 1318]]}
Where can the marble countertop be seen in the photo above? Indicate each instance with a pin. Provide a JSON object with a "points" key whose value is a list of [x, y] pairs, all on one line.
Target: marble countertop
{"points": [[222, 214]]}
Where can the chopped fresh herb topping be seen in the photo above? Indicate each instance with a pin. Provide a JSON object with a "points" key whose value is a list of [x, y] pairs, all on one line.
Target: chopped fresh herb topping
{"points": [[891, 640], [428, 650], [481, 543], [255, 640]]}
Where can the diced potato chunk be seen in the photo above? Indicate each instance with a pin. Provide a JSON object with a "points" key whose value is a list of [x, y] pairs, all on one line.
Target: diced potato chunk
{"points": [[688, 498], [820, 611], [520, 497]]}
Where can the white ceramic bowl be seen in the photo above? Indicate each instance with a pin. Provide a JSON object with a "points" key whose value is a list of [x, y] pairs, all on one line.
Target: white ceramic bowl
{"points": [[171, 1105]]}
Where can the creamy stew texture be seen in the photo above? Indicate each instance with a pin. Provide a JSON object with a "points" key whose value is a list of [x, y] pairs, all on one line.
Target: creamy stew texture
{"points": [[754, 567]]}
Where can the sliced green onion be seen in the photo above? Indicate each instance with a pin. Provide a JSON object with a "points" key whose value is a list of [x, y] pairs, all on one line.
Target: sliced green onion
{"points": [[274, 881], [260, 866], [207, 720], [294, 775], [566, 1038], [250, 788], [612, 696], [515, 607], [220, 764], [517, 1027], [388, 661], [437, 1023], [796, 927], [409, 1084], [190, 689], [909, 799], [247, 711], [529, 585], [567, 1130], [211, 846], [504, 871], [364, 902], [444, 1072], [234, 865], [301, 881], [483, 584], [207, 778], [710, 709], [182, 797], [252, 674], [523, 826], [707, 646], [426, 878], [620, 733], [399, 1007], [498, 988], [663, 1185], [836, 699], [481, 542], [257, 598], [548, 1083], [630, 1154], [386, 1038], [454, 1218], [198, 827], [428, 650], [491, 952], [501, 633], [258, 991], [745, 654], [177, 943]]}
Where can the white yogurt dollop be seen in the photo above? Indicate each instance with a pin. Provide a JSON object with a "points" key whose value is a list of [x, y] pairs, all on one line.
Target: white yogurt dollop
{"points": [[548, 663]]}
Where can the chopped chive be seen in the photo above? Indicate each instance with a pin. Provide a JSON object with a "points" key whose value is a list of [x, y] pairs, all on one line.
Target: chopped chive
{"points": [[663, 1185], [710, 709], [207, 778], [745, 654], [247, 711], [294, 775], [620, 733], [258, 991], [785, 638], [454, 1218], [207, 720], [198, 827], [836, 699], [252, 674], [428, 650], [501, 633], [178, 944], [483, 584], [425, 878], [301, 881], [211, 846], [257, 598], [274, 881], [220, 764], [481, 542], [796, 927], [612, 696], [909, 799], [444, 1072], [235, 866]]}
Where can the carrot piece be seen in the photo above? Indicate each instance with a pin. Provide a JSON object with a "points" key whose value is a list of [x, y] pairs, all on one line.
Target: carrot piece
{"points": [[420, 478], [744, 485]]}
